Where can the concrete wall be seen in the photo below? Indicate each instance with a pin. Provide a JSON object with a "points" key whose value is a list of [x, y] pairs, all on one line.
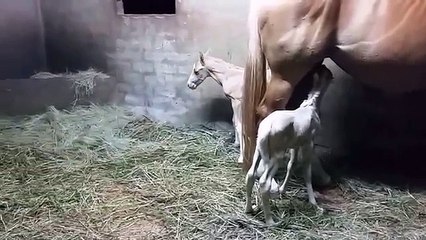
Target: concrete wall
{"points": [[32, 96], [78, 34], [21, 39], [150, 56]]}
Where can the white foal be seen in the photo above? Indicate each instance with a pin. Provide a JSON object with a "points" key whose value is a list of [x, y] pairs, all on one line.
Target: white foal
{"points": [[282, 130], [230, 78]]}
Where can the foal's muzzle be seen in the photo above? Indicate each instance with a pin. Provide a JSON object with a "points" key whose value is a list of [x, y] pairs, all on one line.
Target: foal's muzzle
{"points": [[192, 85]]}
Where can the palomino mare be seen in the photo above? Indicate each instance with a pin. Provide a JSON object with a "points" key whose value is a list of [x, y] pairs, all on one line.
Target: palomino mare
{"points": [[230, 78], [378, 42]]}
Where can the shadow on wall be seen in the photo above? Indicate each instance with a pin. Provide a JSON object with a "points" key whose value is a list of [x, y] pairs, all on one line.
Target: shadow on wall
{"points": [[21, 39], [75, 37], [218, 110], [393, 139], [367, 134]]}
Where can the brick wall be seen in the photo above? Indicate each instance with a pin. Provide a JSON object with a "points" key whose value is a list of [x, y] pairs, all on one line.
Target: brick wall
{"points": [[154, 55]]}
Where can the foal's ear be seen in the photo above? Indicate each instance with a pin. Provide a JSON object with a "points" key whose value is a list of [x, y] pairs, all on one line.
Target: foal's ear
{"points": [[207, 52], [202, 58]]}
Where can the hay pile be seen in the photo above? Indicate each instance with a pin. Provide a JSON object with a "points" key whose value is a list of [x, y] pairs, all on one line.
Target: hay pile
{"points": [[99, 173]]}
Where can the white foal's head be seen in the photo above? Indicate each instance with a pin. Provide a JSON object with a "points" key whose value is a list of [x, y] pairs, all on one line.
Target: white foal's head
{"points": [[199, 72]]}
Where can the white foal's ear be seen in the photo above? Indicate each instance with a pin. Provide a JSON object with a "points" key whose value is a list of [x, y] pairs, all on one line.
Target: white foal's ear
{"points": [[201, 58], [207, 52]]}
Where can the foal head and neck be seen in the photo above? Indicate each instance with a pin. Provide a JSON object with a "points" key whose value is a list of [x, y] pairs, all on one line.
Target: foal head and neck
{"points": [[215, 68], [322, 79]]}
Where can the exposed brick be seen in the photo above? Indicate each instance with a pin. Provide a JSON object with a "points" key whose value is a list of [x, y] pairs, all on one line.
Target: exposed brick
{"points": [[166, 94], [132, 77], [185, 70], [140, 88], [154, 56], [153, 78], [164, 44], [159, 56], [146, 43], [123, 87], [134, 48], [166, 68], [123, 66], [179, 57], [176, 77], [143, 67], [133, 55], [126, 55], [121, 44]]}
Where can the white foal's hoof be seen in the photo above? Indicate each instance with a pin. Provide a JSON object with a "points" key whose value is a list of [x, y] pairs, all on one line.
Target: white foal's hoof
{"points": [[320, 211], [240, 159], [270, 222], [274, 190], [249, 209]]}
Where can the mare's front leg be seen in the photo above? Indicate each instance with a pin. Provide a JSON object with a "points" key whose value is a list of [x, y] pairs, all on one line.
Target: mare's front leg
{"points": [[277, 94]]}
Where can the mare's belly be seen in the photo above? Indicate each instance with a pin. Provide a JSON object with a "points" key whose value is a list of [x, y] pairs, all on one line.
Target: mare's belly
{"points": [[380, 43], [390, 75]]}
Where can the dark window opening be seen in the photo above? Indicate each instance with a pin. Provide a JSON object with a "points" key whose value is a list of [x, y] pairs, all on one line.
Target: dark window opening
{"points": [[149, 6]]}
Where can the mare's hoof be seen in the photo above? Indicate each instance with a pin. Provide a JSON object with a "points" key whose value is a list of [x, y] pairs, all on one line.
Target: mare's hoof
{"points": [[324, 184]]}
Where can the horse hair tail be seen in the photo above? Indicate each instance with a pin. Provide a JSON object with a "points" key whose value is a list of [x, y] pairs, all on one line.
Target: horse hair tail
{"points": [[254, 86]]}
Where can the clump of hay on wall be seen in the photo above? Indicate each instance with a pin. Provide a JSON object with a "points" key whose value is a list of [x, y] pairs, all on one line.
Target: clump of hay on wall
{"points": [[83, 82]]}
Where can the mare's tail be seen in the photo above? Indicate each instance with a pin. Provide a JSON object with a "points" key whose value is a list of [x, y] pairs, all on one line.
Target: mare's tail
{"points": [[254, 86]]}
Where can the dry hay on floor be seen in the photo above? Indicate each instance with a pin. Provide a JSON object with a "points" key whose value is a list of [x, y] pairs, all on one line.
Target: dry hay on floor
{"points": [[98, 173]]}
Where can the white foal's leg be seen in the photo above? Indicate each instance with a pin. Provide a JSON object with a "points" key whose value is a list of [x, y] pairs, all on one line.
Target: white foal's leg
{"points": [[308, 182], [265, 183], [250, 179], [289, 170], [308, 154], [239, 133], [235, 123]]}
